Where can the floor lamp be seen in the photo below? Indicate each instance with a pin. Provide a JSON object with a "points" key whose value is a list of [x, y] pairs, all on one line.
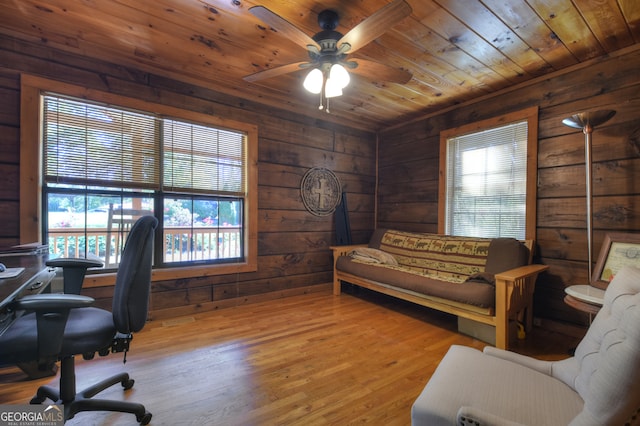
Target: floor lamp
{"points": [[587, 121]]}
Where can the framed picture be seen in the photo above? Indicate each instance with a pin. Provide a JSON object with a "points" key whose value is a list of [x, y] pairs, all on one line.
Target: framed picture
{"points": [[618, 250]]}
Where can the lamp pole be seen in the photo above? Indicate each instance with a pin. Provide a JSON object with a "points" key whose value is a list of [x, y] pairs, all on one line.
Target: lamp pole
{"points": [[587, 121]]}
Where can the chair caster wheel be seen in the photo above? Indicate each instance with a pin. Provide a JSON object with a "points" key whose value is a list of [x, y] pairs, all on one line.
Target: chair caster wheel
{"points": [[127, 384], [144, 419]]}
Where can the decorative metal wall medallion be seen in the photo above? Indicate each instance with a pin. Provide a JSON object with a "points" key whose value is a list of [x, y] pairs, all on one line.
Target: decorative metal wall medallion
{"points": [[320, 190]]}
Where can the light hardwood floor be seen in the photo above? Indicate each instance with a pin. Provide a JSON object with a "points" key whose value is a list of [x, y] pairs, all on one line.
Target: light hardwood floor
{"points": [[314, 359]]}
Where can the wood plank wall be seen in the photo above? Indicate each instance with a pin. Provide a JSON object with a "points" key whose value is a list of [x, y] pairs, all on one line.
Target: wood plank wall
{"points": [[408, 168], [293, 244]]}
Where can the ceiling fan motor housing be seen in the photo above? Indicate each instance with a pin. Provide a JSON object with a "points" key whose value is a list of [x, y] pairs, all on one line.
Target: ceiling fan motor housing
{"points": [[328, 38], [328, 19]]}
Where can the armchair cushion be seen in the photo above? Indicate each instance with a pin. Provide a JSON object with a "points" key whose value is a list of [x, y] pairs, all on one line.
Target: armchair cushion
{"points": [[503, 389]]}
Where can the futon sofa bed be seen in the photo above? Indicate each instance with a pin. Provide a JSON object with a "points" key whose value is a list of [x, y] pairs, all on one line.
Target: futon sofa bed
{"points": [[483, 280]]}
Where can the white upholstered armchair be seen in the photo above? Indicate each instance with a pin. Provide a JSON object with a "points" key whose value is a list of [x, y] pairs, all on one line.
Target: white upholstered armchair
{"points": [[598, 386]]}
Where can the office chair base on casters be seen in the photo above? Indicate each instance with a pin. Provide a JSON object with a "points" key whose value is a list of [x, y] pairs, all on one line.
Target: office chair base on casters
{"points": [[76, 402]]}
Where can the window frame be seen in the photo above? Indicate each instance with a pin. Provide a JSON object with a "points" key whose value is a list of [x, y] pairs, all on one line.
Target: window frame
{"points": [[31, 182], [531, 116]]}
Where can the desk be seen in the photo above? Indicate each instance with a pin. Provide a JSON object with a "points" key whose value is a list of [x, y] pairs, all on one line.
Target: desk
{"points": [[35, 278]]}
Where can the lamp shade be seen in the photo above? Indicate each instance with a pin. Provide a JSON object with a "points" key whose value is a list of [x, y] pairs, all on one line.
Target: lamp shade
{"points": [[339, 75], [332, 88], [313, 81]]}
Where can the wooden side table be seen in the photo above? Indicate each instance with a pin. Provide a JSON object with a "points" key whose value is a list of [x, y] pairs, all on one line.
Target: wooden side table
{"points": [[585, 298]]}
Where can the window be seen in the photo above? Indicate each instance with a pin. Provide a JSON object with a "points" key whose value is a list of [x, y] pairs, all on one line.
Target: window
{"points": [[489, 171], [109, 160]]}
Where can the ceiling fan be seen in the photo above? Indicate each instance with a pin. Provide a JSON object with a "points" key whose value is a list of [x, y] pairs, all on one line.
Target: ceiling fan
{"points": [[329, 47]]}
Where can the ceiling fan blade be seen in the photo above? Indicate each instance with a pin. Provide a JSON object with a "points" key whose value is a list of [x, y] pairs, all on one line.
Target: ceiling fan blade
{"points": [[284, 27], [377, 71], [376, 25], [273, 72]]}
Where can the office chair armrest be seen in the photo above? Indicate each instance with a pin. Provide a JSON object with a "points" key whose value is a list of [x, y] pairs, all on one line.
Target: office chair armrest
{"points": [[51, 302], [52, 312], [74, 270], [74, 262]]}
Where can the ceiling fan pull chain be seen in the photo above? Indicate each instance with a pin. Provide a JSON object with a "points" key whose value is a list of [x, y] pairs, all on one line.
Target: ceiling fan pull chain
{"points": [[324, 82]]}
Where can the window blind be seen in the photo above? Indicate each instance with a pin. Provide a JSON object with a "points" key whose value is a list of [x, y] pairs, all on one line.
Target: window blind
{"points": [[203, 159], [486, 182], [91, 144], [99, 145]]}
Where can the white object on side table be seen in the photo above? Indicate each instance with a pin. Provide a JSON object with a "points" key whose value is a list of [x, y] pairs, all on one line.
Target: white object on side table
{"points": [[586, 293]]}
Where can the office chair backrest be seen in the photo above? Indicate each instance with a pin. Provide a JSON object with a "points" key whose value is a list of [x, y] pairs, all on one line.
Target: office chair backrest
{"points": [[133, 279]]}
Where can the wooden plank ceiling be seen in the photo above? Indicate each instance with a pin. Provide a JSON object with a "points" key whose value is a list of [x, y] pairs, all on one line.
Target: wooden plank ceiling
{"points": [[456, 50]]}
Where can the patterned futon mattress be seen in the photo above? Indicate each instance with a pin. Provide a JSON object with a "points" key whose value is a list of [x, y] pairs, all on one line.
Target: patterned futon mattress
{"points": [[447, 267]]}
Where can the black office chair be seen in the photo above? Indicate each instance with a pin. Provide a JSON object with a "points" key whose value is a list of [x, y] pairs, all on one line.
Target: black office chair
{"points": [[73, 272], [59, 326]]}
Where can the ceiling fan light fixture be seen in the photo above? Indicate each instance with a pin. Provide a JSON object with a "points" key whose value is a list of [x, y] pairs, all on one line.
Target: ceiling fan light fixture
{"points": [[332, 88], [339, 75], [313, 81]]}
